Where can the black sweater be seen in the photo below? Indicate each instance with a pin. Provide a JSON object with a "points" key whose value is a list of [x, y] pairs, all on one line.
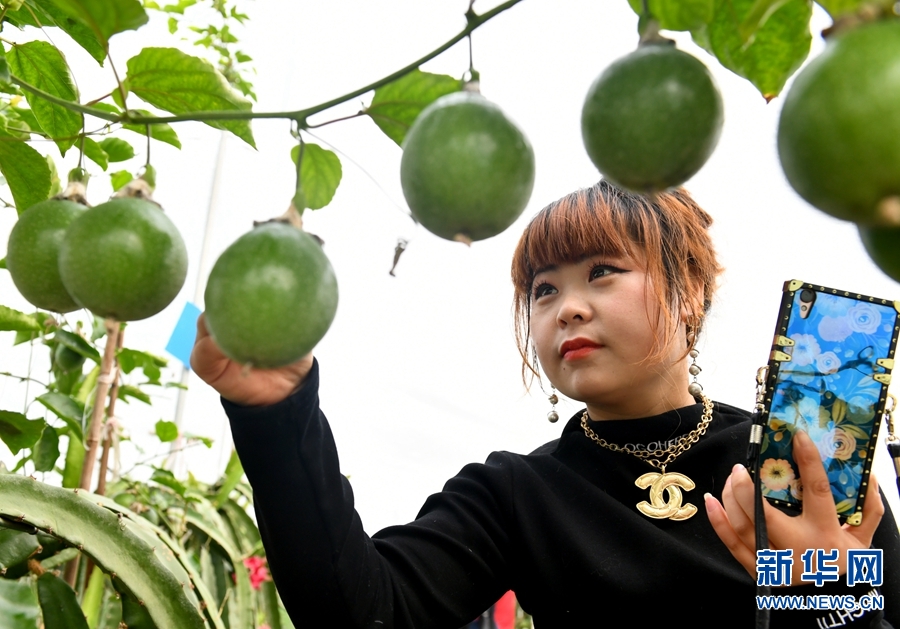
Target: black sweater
{"points": [[558, 526]]}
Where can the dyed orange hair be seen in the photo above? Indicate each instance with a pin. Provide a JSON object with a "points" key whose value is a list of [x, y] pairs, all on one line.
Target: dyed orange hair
{"points": [[668, 230]]}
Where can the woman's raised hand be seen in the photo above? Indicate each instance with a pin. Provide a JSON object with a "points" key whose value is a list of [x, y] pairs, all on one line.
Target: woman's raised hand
{"points": [[239, 384], [816, 528]]}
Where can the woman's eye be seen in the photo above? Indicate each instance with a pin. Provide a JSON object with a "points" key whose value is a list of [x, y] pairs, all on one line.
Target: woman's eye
{"points": [[542, 289], [602, 270]]}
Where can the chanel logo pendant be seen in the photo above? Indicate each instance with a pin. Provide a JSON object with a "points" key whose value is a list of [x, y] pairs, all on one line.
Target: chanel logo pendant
{"points": [[672, 483]]}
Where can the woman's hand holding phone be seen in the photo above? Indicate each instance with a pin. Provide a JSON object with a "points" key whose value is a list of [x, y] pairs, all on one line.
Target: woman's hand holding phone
{"points": [[239, 384], [817, 527]]}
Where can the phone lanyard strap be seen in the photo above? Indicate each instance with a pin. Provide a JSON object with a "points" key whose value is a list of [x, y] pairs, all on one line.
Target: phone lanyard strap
{"points": [[892, 439], [753, 464]]}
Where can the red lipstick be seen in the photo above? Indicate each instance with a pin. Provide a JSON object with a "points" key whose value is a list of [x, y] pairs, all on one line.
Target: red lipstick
{"points": [[575, 349]]}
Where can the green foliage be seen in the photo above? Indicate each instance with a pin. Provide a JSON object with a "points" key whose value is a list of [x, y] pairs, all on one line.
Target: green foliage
{"points": [[119, 178], [59, 606], [179, 83], [66, 408], [166, 431], [16, 547], [26, 172], [395, 106], [18, 605], [131, 359], [94, 152], [117, 149], [43, 66], [17, 431], [45, 451], [105, 18], [320, 175], [14, 320], [4, 65], [46, 13], [768, 56], [116, 543]]}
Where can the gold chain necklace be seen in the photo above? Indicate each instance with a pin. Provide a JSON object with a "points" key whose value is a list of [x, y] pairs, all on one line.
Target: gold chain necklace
{"points": [[670, 482]]}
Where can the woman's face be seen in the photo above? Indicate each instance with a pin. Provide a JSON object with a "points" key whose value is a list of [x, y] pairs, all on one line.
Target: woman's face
{"points": [[592, 326]]}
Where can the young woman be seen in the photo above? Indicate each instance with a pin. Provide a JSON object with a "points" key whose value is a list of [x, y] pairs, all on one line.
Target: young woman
{"points": [[640, 513]]}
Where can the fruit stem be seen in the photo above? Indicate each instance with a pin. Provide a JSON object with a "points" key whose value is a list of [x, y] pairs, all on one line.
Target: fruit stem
{"points": [[92, 440], [464, 239], [107, 441]]}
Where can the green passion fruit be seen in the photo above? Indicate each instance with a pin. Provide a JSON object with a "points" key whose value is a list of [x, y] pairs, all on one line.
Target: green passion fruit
{"points": [[840, 123], [883, 246], [467, 171], [123, 259], [32, 256], [652, 118], [271, 296]]}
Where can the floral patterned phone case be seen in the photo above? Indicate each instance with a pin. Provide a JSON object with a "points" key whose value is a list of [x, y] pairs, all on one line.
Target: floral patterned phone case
{"points": [[828, 375]]}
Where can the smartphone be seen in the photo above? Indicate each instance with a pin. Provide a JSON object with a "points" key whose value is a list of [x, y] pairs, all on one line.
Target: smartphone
{"points": [[828, 375]]}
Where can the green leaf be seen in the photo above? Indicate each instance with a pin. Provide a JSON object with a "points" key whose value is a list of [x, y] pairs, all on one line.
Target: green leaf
{"points": [[4, 66], [126, 391], [320, 174], [396, 105], [55, 183], [117, 149], [74, 463], [66, 408], [14, 320], [24, 337], [46, 450], [204, 440], [93, 598], [837, 8], [18, 604], [761, 11], [43, 66], [773, 53], [15, 547], [94, 152], [3, 263], [234, 471], [18, 432], [76, 29], [27, 117], [129, 359], [59, 605], [106, 18], [78, 344], [166, 431], [180, 83], [119, 179], [167, 478], [677, 15], [26, 172]]}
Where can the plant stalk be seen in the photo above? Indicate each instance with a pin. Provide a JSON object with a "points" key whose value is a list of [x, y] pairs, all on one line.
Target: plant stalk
{"points": [[103, 384], [473, 21]]}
